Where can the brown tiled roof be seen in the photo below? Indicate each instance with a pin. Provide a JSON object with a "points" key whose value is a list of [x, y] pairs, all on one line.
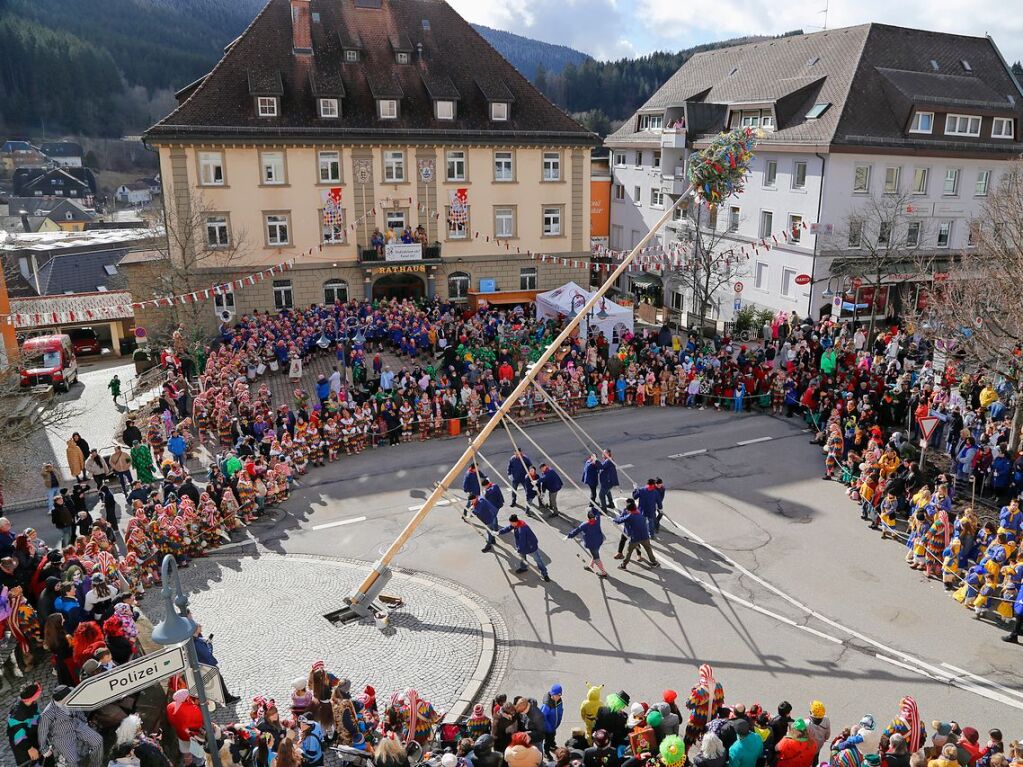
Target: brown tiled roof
{"points": [[455, 59], [327, 83], [945, 90], [264, 82]]}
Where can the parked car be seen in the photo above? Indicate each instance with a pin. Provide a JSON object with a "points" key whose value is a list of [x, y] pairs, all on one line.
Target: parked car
{"points": [[85, 341], [49, 360]]}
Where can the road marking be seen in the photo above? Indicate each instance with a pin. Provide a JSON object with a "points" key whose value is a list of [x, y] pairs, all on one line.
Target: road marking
{"points": [[701, 451], [754, 441], [820, 634], [441, 502], [338, 523], [964, 672], [905, 666], [627, 466]]}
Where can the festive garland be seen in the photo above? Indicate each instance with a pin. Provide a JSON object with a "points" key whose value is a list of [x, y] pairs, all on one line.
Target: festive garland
{"points": [[719, 171]]}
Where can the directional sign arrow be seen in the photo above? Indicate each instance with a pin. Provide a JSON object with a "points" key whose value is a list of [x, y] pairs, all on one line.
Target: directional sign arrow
{"points": [[99, 690]]}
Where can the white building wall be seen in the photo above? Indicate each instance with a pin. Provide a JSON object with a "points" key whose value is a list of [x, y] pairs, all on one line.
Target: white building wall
{"points": [[632, 217]]}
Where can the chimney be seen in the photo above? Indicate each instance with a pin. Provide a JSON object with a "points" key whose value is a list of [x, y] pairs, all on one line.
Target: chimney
{"points": [[301, 31], [24, 220]]}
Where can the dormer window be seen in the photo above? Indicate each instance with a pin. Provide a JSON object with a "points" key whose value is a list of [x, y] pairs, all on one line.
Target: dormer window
{"points": [[1002, 127], [266, 106], [923, 122], [401, 57], [387, 109], [351, 56], [962, 125], [329, 108], [444, 109], [767, 122], [650, 122], [499, 111]]}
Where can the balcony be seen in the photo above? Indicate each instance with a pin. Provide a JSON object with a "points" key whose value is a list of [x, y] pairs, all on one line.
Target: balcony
{"points": [[674, 183], [673, 138], [400, 252]]}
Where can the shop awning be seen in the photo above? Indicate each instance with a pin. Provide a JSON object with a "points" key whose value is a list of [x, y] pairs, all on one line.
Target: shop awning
{"points": [[37, 311]]}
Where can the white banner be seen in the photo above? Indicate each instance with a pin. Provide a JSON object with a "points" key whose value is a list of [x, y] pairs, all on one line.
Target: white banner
{"points": [[403, 251]]}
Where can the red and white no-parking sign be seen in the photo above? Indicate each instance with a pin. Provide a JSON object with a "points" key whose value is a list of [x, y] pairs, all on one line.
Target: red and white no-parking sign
{"points": [[738, 287]]}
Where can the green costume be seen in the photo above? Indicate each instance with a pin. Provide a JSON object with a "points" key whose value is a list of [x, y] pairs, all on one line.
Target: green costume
{"points": [[142, 460]]}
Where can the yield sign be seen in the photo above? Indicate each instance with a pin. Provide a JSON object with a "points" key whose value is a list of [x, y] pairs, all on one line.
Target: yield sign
{"points": [[97, 691], [927, 425]]}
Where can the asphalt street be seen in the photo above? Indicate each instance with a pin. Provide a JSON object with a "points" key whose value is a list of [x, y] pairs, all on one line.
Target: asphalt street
{"points": [[768, 574]]}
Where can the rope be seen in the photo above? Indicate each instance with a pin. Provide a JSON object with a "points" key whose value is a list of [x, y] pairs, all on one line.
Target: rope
{"points": [[559, 411], [547, 456]]}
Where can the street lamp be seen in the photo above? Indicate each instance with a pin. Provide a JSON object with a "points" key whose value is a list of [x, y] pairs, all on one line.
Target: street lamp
{"points": [[177, 627]]}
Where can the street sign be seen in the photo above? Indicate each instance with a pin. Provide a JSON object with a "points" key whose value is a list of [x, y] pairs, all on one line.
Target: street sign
{"points": [[738, 304], [738, 287], [803, 279], [927, 425], [211, 682], [97, 691]]}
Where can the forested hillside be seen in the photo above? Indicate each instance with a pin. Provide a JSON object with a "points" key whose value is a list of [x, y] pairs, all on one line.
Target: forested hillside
{"points": [[528, 55]]}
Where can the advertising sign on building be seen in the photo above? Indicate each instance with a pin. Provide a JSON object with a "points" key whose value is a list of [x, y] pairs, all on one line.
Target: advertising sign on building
{"points": [[403, 251]]}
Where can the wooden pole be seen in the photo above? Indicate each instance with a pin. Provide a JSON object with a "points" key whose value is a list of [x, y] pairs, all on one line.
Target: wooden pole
{"points": [[495, 420]]}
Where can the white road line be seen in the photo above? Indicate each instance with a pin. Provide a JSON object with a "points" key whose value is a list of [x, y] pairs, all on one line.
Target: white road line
{"points": [[441, 502], [820, 634], [338, 523], [905, 666], [701, 451], [964, 672], [754, 441], [627, 466]]}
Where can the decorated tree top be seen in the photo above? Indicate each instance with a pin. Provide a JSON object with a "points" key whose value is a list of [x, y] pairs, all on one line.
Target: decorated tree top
{"points": [[719, 171]]}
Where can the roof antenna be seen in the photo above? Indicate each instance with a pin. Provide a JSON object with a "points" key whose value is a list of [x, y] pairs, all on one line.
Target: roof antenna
{"points": [[825, 12]]}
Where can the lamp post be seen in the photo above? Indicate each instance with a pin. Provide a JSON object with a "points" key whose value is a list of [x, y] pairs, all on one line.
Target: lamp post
{"points": [[178, 627]]}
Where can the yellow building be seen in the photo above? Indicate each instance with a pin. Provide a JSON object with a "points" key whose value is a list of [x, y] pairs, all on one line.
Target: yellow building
{"points": [[331, 125]]}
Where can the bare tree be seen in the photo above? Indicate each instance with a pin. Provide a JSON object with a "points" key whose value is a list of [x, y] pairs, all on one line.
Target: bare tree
{"points": [[975, 311], [880, 239], [711, 263]]}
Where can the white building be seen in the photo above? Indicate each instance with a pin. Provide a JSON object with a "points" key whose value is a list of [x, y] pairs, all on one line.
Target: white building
{"points": [[849, 116], [135, 193]]}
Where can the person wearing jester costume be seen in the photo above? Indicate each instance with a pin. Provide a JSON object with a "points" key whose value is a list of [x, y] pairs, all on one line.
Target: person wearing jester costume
{"points": [[908, 724], [704, 700]]}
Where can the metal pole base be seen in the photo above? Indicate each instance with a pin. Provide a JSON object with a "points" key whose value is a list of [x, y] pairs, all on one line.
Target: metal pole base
{"points": [[360, 605]]}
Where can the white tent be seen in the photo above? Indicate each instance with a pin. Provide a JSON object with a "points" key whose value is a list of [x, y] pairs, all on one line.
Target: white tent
{"points": [[571, 297]]}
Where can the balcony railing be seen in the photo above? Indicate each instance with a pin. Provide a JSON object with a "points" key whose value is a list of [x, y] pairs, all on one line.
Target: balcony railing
{"points": [[400, 252], [673, 138]]}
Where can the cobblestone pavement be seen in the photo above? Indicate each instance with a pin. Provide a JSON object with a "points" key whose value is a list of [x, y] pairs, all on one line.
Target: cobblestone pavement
{"points": [[267, 615]]}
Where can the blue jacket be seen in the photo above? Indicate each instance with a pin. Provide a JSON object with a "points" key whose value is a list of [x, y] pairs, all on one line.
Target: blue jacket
{"points": [[486, 512], [322, 389], [646, 499], [636, 526], [608, 474], [591, 473], [551, 481], [312, 746], [552, 711], [593, 536], [1017, 606], [471, 483], [495, 496], [204, 651], [516, 470], [525, 539], [177, 445]]}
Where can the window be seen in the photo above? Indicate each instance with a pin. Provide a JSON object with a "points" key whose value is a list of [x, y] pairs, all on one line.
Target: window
{"points": [[944, 234], [923, 122], [401, 57], [617, 235], [458, 229], [211, 168], [788, 282], [637, 195], [504, 222], [712, 218], [656, 198], [329, 167], [1002, 127], [277, 229], [552, 166], [861, 179], [750, 119], [766, 224], [799, 175], [884, 233], [394, 166], [217, 234], [351, 56], [620, 159], [639, 158], [795, 227], [272, 167], [266, 106], [951, 187], [332, 233], [458, 286], [962, 125], [678, 300], [855, 233], [771, 173], [733, 219], [913, 234], [394, 220], [920, 180], [891, 180], [335, 291], [455, 165], [760, 276], [283, 296], [445, 110], [767, 122], [527, 278], [504, 166], [650, 122], [983, 182], [656, 159], [817, 110], [618, 191], [551, 222], [223, 297], [387, 109], [499, 111], [329, 108]]}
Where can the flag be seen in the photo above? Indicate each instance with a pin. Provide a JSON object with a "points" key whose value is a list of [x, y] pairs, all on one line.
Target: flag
{"points": [[458, 213], [333, 213]]}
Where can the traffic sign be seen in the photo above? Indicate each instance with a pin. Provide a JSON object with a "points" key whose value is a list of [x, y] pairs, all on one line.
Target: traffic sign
{"points": [[97, 691], [738, 287], [927, 425], [211, 683], [738, 304]]}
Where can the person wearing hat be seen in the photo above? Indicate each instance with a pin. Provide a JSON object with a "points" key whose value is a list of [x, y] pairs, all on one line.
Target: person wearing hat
{"points": [[818, 726], [23, 725], [601, 753], [522, 752], [68, 733], [478, 722], [553, 710], [486, 512], [593, 539], [613, 716], [796, 749], [310, 741], [526, 544]]}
